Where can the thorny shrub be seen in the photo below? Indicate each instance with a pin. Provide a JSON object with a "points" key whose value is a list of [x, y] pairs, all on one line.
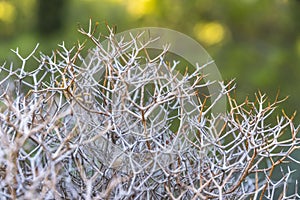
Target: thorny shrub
{"points": [[123, 125]]}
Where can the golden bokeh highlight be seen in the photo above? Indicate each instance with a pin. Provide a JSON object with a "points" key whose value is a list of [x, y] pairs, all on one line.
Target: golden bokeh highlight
{"points": [[7, 12], [138, 8], [209, 33]]}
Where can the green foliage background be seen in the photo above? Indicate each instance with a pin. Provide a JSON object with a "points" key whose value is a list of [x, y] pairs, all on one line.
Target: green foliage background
{"points": [[260, 45]]}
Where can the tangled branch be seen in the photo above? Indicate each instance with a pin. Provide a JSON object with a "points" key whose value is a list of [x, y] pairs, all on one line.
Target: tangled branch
{"points": [[122, 124]]}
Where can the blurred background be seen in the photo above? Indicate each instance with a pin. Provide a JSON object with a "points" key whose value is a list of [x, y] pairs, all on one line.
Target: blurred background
{"points": [[255, 42]]}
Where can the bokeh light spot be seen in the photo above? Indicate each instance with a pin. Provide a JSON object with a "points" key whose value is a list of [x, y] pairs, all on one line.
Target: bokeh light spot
{"points": [[7, 12], [139, 8], [209, 33]]}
